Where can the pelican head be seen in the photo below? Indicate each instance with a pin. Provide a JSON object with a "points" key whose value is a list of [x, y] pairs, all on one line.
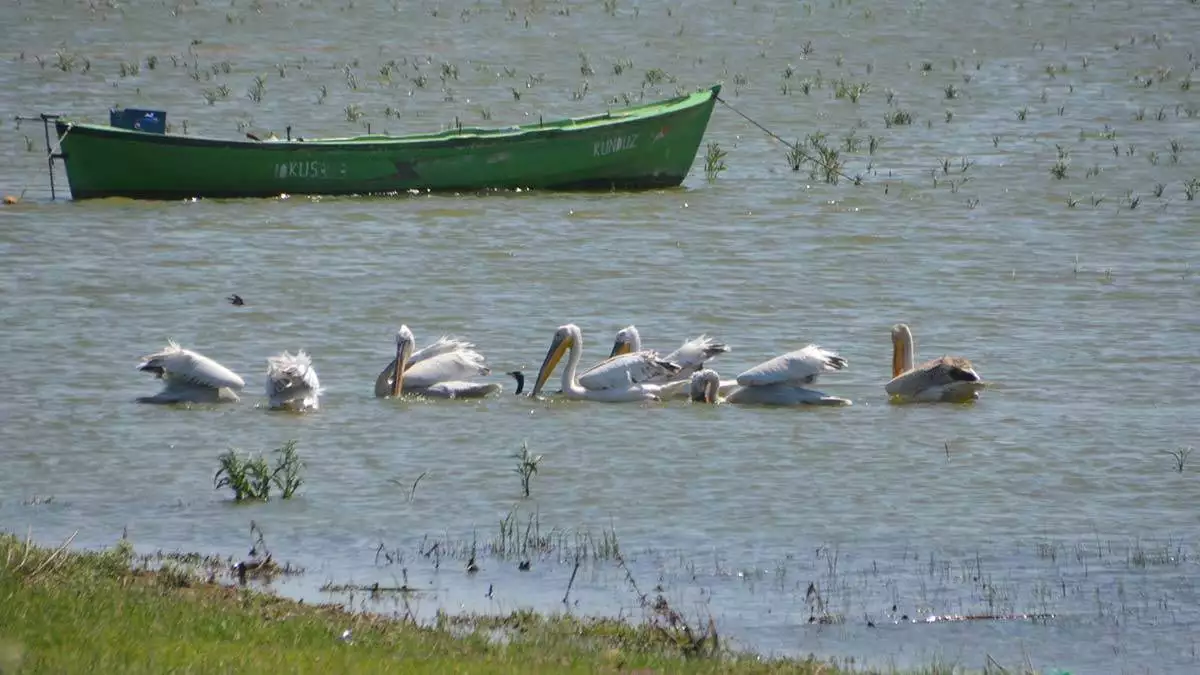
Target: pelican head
{"points": [[704, 386], [156, 363], [627, 341], [404, 349], [153, 367], [520, 378], [566, 337], [902, 349]]}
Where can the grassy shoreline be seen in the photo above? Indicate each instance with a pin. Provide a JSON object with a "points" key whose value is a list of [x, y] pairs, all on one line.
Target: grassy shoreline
{"points": [[65, 611]]}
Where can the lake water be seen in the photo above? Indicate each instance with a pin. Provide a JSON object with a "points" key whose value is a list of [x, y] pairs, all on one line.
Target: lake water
{"points": [[1078, 297]]}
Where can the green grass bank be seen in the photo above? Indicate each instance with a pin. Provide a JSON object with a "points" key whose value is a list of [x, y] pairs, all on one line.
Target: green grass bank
{"points": [[69, 611]]}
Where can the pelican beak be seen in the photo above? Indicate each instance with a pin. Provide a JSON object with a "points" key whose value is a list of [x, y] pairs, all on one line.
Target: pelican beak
{"points": [[403, 352], [897, 355], [620, 347], [557, 348]]}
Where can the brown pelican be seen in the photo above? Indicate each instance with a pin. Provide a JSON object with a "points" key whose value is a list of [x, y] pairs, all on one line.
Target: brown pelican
{"points": [[951, 379]]}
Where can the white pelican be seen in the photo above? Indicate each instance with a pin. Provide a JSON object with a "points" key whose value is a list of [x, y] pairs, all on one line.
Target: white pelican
{"points": [[622, 378], [439, 370], [292, 382], [706, 386], [189, 377], [950, 379], [690, 356]]}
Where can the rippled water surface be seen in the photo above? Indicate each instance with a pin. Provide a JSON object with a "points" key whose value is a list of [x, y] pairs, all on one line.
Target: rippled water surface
{"points": [[1052, 495]]}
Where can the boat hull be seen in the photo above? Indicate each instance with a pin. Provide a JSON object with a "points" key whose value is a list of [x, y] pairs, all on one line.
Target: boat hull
{"points": [[648, 146]]}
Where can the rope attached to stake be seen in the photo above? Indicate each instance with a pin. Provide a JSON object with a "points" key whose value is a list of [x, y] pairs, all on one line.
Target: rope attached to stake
{"points": [[795, 147]]}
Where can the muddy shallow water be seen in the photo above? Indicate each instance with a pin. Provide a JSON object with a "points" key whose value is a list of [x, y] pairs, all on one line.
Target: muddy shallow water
{"points": [[1055, 495]]}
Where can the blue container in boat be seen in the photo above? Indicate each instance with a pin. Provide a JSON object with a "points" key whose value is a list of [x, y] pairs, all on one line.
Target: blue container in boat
{"points": [[150, 121]]}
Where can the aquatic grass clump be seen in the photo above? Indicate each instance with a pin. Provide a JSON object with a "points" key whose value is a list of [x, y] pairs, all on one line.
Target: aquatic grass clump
{"points": [[848, 90], [286, 475], [517, 540], [250, 478], [527, 466], [898, 117], [655, 76], [827, 163], [1190, 188], [66, 61], [221, 93], [795, 156], [257, 90], [1180, 455], [714, 160], [1176, 149], [1059, 169]]}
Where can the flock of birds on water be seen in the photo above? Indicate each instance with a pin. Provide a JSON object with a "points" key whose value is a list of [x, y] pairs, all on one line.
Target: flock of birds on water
{"points": [[448, 368]]}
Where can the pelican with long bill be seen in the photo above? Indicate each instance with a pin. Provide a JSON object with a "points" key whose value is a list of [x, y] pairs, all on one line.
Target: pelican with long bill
{"points": [[442, 369], [628, 377]]}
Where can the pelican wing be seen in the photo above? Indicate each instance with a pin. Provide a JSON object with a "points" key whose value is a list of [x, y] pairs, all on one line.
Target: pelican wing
{"points": [[945, 378], [443, 345], [462, 364], [184, 365], [802, 366], [620, 372], [691, 356]]}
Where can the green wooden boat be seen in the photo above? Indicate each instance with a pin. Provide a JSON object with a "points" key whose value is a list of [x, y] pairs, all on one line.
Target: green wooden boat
{"points": [[645, 146]]}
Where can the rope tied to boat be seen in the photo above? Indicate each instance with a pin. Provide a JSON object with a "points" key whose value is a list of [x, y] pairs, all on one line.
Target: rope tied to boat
{"points": [[795, 147]]}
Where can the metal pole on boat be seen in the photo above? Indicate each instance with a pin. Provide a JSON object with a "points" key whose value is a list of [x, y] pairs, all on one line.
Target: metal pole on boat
{"points": [[49, 154], [46, 118]]}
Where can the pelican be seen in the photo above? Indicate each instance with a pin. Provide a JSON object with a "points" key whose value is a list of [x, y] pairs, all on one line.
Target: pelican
{"points": [[189, 377], [706, 387], [292, 382], [627, 377], [439, 370], [690, 356], [783, 380], [949, 379]]}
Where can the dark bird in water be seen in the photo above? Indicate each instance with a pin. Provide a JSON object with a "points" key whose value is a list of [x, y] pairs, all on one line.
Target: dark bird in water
{"points": [[520, 378], [236, 299]]}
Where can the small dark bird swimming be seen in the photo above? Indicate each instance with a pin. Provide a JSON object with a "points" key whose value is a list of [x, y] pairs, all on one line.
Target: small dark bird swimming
{"points": [[236, 299], [520, 378]]}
